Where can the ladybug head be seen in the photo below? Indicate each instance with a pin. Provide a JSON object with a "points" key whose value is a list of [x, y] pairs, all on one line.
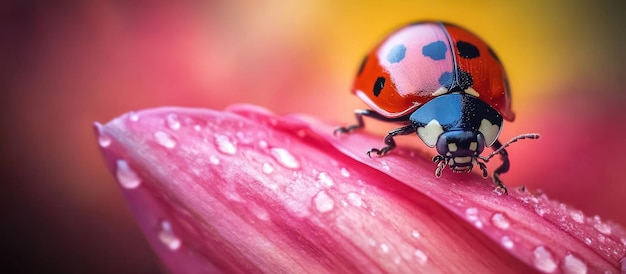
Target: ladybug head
{"points": [[459, 126], [460, 149]]}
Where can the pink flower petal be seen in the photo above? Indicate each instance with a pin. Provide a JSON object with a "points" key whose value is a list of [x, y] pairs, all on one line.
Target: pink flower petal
{"points": [[247, 191]]}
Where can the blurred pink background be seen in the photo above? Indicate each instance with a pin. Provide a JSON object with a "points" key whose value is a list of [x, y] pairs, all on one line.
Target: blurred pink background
{"points": [[65, 65]]}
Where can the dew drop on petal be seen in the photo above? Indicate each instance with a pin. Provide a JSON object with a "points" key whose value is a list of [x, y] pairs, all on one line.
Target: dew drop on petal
{"points": [[197, 127], [133, 116], [214, 160], [164, 139], [478, 224], [355, 199], [224, 144], [345, 172], [167, 236], [577, 216], [285, 158], [500, 220], [471, 213], [540, 210], [507, 242], [603, 228], [103, 139], [574, 265], [543, 259], [324, 179], [172, 121], [263, 144], [323, 202], [126, 176], [267, 168], [420, 256], [415, 234], [588, 241], [384, 248]]}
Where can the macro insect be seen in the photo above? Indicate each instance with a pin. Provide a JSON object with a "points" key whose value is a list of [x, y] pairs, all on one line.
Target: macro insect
{"points": [[445, 84]]}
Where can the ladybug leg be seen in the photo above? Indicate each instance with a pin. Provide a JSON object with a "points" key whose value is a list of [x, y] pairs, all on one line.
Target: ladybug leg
{"points": [[504, 167], [359, 113], [390, 143]]}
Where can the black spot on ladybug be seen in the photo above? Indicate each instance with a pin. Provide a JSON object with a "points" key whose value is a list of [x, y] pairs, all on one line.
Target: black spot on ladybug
{"points": [[445, 79], [362, 65], [435, 50], [467, 50], [396, 54], [493, 54], [379, 85]]}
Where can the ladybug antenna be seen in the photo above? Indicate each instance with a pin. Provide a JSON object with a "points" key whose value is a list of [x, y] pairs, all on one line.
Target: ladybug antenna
{"points": [[532, 136]]}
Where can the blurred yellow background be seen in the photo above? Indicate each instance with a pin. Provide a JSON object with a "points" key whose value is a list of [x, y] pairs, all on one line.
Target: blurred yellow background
{"points": [[69, 63]]}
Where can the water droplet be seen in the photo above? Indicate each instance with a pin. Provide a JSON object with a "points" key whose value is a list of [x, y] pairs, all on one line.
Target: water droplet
{"points": [[500, 220], [385, 165], [355, 199], [164, 139], [623, 240], [323, 202], [588, 241], [507, 242], [172, 121], [324, 179], [197, 127], [104, 140], [540, 210], [285, 158], [224, 144], [603, 228], [478, 224], [384, 248], [126, 176], [397, 260], [267, 168], [167, 236], [214, 160], [263, 144], [133, 116], [471, 213], [601, 238], [543, 259], [420, 256], [577, 216], [415, 234], [574, 265], [345, 172]]}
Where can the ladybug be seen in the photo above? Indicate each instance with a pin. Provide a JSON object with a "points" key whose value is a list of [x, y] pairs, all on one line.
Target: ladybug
{"points": [[445, 84]]}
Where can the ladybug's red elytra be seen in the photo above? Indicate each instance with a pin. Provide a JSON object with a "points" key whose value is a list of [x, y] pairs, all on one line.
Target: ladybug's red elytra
{"points": [[446, 85]]}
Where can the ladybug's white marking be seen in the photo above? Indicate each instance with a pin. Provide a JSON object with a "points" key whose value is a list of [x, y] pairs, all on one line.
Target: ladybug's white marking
{"points": [[465, 159], [473, 146], [472, 91], [452, 147], [489, 131], [440, 91], [430, 133]]}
